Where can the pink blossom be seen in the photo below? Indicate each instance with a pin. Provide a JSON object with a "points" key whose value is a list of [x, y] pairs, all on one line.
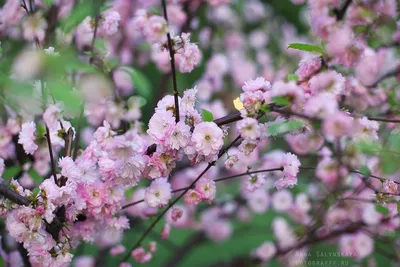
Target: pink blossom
{"points": [[206, 188], [180, 136], [27, 137], [2, 166], [158, 193], [265, 252], [165, 231], [329, 82], [110, 23], [207, 138], [255, 181], [290, 164], [357, 245], [366, 129], [140, 255], [308, 67], [123, 81], [258, 201], [52, 115], [337, 125], [282, 200], [321, 106], [176, 214], [161, 125], [258, 84], [231, 161], [193, 197], [390, 187], [119, 249], [155, 29], [188, 58], [249, 129]]}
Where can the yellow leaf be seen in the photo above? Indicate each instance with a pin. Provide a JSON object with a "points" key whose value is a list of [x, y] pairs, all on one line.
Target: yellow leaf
{"points": [[238, 104]]}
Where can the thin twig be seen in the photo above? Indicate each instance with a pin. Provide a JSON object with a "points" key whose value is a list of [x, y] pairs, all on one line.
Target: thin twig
{"points": [[96, 26], [215, 180], [384, 77], [222, 152], [340, 13], [172, 60], [78, 133], [53, 165]]}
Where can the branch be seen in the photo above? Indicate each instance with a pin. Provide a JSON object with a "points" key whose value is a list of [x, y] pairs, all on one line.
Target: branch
{"points": [[183, 250], [172, 60], [342, 11], [96, 26], [222, 152], [215, 180], [53, 165], [78, 133], [385, 76], [351, 228], [13, 196]]}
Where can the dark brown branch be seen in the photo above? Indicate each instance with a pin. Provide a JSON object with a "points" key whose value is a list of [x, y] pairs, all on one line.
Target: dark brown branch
{"points": [[340, 13], [383, 119], [215, 180], [232, 117], [222, 152], [24, 255], [78, 133], [172, 60], [53, 165], [13, 196], [96, 26], [384, 77], [194, 240]]}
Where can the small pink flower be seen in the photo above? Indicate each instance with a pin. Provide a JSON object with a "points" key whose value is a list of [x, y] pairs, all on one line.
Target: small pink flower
{"points": [[249, 129], [27, 137], [176, 214], [258, 84], [206, 188], [231, 161], [158, 193], [141, 256], [2, 166], [255, 181], [207, 138], [117, 250], [193, 197], [165, 231], [337, 125], [390, 187], [265, 252]]}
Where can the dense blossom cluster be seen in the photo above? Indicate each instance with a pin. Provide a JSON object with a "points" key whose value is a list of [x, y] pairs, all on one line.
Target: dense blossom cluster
{"points": [[88, 150]]}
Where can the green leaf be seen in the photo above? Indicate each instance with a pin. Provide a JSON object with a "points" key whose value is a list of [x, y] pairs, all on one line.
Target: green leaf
{"points": [[80, 12], [206, 115], [129, 192], [365, 171], [140, 81], [292, 77], [369, 148], [265, 108], [284, 127], [283, 101], [11, 172], [381, 209], [398, 207], [35, 192], [307, 47], [105, 8], [37, 178], [389, 163], [48, 2]]}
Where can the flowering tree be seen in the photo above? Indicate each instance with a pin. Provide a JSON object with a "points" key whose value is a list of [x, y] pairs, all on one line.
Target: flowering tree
{"points": [[283, 152]]}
